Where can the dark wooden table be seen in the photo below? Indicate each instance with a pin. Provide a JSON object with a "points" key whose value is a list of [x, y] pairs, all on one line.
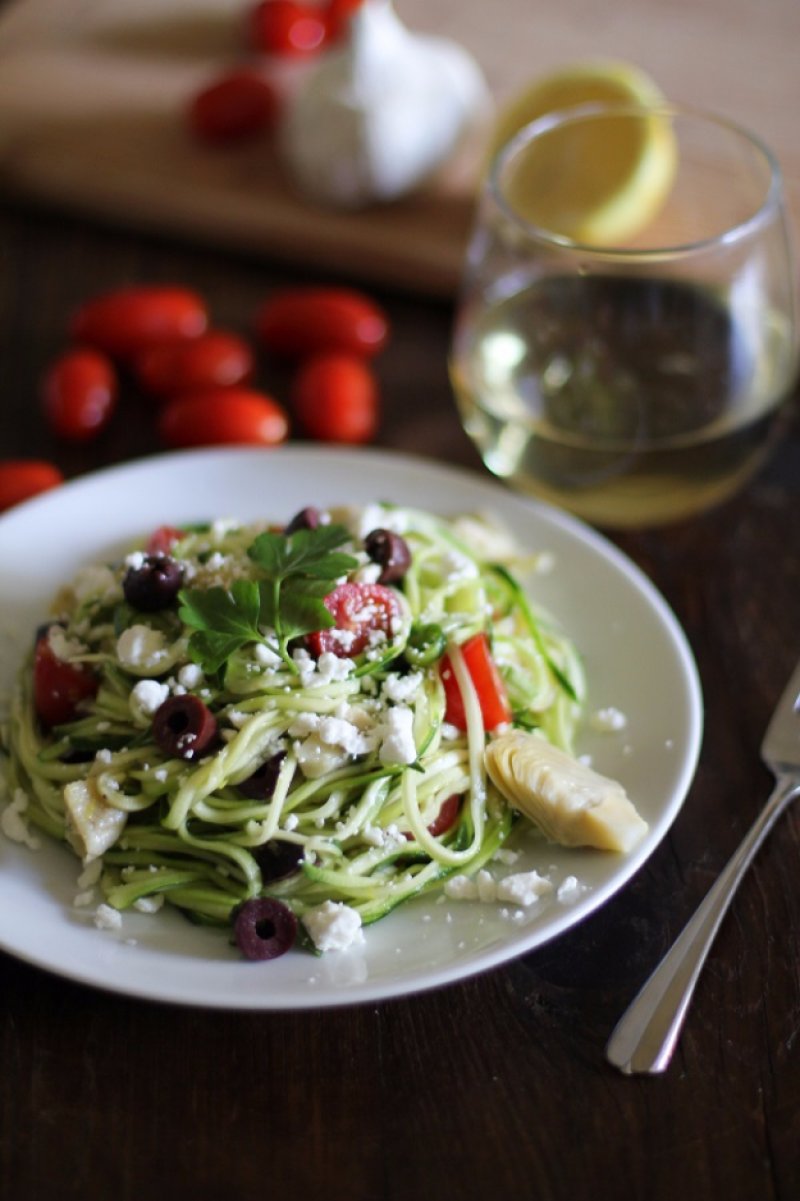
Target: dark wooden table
{"points": [[495, 1087]]}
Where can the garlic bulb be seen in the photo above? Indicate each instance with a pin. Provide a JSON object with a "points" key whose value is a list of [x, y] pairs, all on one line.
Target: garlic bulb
{"points": [[377, 117]]}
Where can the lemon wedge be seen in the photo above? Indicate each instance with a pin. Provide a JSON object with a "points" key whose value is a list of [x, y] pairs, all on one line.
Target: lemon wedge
{"points": [[597, 181]]}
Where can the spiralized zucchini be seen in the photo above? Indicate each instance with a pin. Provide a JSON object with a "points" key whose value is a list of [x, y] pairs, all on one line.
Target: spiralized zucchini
{"points": [[363, 758]]}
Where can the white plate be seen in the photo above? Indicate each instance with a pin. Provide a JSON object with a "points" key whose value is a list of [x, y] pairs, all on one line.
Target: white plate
{"points": [[636, 657]]}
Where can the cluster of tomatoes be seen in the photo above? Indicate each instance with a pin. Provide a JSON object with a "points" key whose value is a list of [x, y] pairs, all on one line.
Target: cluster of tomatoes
{"points": [[241, 102], [161, 340]]}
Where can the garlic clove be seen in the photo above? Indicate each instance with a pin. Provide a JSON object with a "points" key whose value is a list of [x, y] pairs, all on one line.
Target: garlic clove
{"points": [[376, 118]]}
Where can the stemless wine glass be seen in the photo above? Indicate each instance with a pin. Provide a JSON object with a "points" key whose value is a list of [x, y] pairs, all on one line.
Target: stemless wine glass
{"points": [[633, 371]]}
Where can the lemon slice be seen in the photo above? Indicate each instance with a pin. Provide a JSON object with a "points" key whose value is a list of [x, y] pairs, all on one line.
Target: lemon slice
{"points": [[597, 181]]}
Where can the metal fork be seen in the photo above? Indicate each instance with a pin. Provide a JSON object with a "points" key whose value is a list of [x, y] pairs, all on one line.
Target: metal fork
{"points": [[645, 1037]]}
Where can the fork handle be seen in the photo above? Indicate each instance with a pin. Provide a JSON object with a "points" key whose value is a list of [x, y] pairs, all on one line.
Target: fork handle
{"points": [[645, 1036]]}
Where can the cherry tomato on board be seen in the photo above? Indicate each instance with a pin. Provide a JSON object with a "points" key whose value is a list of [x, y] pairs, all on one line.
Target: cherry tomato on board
{"points": [[360, 611], [233, 108], [335, 397], [79, 392], [222, 415], [125, 321], [217, 359], [22, 478], [287, 28], [162, 540], [58, 686], [299, 322], [488, 683]]}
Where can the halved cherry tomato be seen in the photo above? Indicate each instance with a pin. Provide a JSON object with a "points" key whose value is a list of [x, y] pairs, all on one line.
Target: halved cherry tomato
{"points": [[217, 359], [123, 322], [232, 108], [335, 397], [23, 478], [285, 27], [299, 322], [162, 540], [58, 686], [362, 612], [337, 17], [488, 683], [79, 392], [223, 415]]}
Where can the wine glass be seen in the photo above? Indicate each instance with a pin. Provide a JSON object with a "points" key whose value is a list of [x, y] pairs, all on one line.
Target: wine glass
{"points": [[627, 353]]}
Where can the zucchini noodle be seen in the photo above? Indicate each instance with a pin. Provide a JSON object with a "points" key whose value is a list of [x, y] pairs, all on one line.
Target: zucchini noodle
{"points": [[363, 754]]}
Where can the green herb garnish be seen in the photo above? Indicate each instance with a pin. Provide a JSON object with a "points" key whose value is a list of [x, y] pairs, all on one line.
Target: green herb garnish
{"points": [[295, 574]]}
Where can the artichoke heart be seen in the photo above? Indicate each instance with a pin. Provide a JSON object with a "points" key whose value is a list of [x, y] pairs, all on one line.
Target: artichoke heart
{"points": [[571, 804], [92, 824]]}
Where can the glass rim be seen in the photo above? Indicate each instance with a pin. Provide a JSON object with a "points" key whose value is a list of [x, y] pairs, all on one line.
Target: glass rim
{"points": [[769, 206]]}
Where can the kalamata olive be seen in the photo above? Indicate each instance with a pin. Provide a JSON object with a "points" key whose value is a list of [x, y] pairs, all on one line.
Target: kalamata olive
{"points": [[261, 784], [390, 552], [306, 519], [184, 727], [264, 928], [153, 585], [277, 859]]}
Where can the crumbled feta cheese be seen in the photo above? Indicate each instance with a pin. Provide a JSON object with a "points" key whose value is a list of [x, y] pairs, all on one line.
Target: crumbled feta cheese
{"points": [[265, 656], [62, 647], [291, 821], [461, 888], [569, 890], [524, 888], [135, 560], [506, 855], [328, 668], [370, 573], [487, 886], [399, 688], [150, 904], [141, 647], [608, 720], [190, 675], [106, 918], [13, 823], [147, 696], [333, 926], [398, 745]]}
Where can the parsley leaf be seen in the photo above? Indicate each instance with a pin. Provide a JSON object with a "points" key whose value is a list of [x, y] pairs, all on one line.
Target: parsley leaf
{"points": [[299, 571], [222, 619], [295, 574]]}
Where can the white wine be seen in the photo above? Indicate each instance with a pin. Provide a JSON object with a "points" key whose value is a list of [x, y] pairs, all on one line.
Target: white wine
{"points": [[630, 401]]}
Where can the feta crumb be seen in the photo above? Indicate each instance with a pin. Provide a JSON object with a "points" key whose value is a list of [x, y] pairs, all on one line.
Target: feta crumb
{"points": [[398, 744], [334, 926], [150, 904], [141, 647], [65, 649], [569, 890], [135, 560], [147, 696], [399, 688], [291, 822], [487, 886], [608, 720], [506, 855], [106, 918], [461, 888], [524, 888], [14, 825], [190, 675]]}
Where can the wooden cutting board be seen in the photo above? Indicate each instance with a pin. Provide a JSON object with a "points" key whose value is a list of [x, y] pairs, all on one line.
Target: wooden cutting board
{"points": [[92, 94]]}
